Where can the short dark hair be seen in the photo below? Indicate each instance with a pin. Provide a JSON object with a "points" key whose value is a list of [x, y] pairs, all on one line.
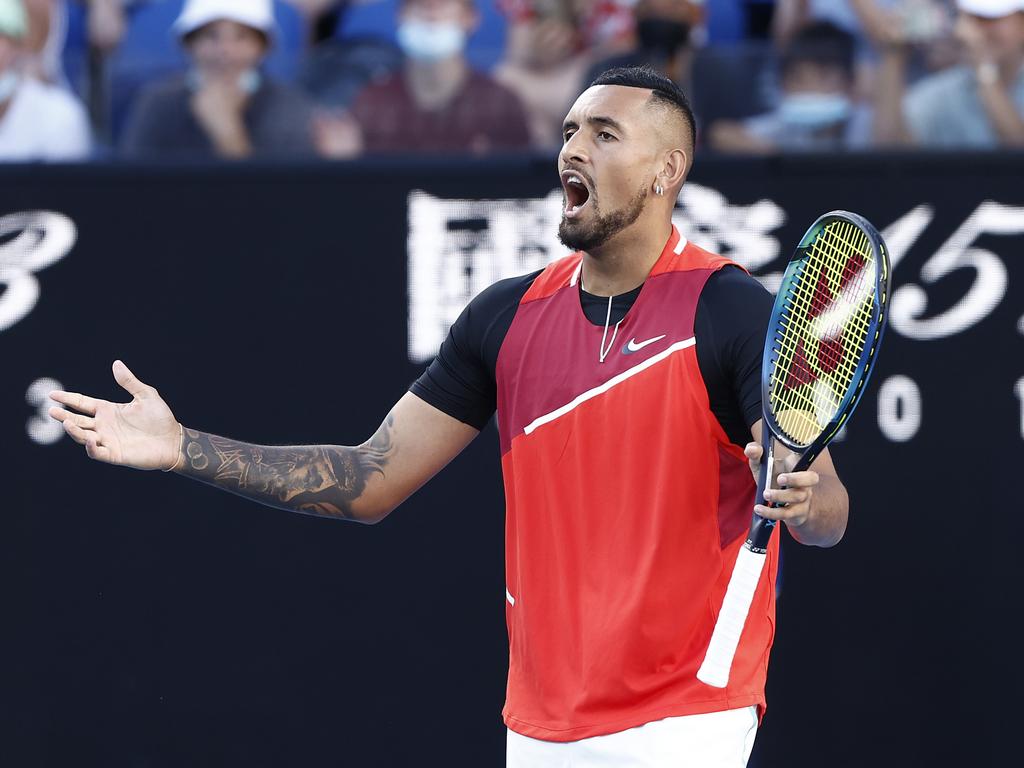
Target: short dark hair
{"points": [[663, 90], [821, 43]]}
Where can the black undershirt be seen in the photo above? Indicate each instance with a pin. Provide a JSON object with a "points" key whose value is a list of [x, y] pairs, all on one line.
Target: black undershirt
{"points": [[729, 326]]}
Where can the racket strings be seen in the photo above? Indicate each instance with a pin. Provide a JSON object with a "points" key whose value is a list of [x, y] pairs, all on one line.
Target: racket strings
{"points": [[824, 330]]}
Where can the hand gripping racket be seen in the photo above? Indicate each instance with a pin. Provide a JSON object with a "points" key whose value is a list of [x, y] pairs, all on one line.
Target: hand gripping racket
{"points": [[821, 347]]}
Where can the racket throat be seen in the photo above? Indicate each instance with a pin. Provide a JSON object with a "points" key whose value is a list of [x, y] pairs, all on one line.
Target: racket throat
{"points": [[760, 527]]}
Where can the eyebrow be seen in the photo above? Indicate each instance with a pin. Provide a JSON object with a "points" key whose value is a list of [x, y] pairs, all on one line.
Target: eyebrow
{"points": [[596, 120]]}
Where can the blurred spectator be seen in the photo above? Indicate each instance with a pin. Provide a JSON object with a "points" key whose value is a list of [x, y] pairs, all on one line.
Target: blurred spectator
{"points": [[437, 102], [793, 15], [978, 104], [485, 45], [47, 21], [606, 26], [663, 32], [150, 50], [105, 22], [728, 81], [225, 105], [925, 22], [38, 121], [817, 110], [544, 66]]}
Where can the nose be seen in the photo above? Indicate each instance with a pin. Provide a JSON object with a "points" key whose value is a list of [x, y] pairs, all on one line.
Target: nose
{"points": [[574, 151]]}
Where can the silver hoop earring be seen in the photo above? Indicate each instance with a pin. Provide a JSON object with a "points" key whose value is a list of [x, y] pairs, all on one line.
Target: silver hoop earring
{"points": [[658, 190]]}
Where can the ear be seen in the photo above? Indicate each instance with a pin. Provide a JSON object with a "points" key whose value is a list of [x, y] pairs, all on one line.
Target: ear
{"points": [[675, 166]]}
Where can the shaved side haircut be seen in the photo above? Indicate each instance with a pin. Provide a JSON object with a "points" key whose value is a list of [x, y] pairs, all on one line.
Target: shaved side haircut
{"points": [[663, 91]]}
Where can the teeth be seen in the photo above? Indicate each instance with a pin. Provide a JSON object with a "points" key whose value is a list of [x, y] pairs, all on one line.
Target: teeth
{"points": [[574, 180]]}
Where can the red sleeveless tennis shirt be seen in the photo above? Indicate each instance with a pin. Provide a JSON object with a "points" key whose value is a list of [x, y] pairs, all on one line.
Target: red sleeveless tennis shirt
{"points": [[626, 506]]}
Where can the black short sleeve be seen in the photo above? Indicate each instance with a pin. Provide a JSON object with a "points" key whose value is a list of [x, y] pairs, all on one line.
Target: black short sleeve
{"points": [[730, 325], [461, 379]]}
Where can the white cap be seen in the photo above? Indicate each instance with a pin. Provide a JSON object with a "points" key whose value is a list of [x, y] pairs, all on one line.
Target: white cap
{"points": [[258, 14], [990, 9]]}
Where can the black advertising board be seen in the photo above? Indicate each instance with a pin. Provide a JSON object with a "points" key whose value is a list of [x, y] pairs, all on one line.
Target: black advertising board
{"points": [[154, 622]]}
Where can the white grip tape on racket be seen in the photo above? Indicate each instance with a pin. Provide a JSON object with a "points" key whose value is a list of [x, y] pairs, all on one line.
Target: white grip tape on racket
{"points": [[726, 636]]}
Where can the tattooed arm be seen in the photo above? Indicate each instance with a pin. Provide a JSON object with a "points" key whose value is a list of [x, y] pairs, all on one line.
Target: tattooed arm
{"points": [[362, 483]]}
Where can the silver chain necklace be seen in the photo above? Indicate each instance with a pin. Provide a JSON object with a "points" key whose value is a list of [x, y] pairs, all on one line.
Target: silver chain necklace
{"points": [[603, 353]]}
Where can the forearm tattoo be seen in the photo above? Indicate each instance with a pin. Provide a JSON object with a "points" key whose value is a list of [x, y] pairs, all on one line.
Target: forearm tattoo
{"points": [[316, 479]]}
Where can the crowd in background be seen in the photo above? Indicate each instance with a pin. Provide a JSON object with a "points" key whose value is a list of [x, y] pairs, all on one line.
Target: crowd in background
{"points": [[102, 79]]}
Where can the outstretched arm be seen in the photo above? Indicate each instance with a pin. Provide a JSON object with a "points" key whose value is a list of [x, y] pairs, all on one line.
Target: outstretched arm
{"points": [[362, 483]]}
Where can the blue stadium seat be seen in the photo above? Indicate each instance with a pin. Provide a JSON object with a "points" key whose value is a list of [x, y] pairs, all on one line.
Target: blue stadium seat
{"points": [[74, 57]]}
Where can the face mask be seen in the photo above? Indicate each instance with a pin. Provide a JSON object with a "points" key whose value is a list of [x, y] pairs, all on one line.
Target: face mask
{"points": [[814, 110], [248, 82], [662, 36], [425, 41], [8, 84]]}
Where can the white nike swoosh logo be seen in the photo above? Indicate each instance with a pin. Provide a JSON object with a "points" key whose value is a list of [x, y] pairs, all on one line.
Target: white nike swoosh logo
{"points": [[633, 346]]}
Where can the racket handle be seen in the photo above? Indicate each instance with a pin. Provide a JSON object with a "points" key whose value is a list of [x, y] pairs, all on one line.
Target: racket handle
{"points": [[725, 638]]}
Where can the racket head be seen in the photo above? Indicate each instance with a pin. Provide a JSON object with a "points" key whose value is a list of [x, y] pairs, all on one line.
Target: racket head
{"points": [[823, 337]]}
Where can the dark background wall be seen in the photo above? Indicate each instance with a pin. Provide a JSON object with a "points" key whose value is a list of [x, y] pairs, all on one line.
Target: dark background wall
{"points": [[150, 621]]}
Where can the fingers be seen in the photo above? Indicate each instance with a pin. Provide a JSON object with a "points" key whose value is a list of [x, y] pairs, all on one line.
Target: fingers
{"points": [[94, 450], [753, 453], [88, 438], [792, 515], [81, 403], [794, 512], [76, 433], [780, 496], [127, 380], [792, 501], [85, 422], [806, 479]]}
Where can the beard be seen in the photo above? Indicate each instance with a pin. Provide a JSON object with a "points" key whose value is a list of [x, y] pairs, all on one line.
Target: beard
{"points": [[587, 236]]}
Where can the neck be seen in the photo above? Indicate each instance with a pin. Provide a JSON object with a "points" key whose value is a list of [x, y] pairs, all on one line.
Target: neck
{"points": [[434, 83], [624, 262]]}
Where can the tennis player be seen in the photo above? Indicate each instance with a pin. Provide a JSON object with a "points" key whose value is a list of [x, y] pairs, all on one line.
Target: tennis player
{"points": [[626, 382]]}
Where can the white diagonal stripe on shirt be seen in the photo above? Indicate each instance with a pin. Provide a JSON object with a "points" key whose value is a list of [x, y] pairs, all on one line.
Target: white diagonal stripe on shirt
{"points": [[613, 381]]}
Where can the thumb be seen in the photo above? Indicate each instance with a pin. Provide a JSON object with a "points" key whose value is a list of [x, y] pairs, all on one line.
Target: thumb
{"points": [[753, 453], [127, 379]]}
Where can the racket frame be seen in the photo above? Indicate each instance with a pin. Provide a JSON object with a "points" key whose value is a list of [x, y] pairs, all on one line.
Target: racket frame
{"points": [[761, 528]]}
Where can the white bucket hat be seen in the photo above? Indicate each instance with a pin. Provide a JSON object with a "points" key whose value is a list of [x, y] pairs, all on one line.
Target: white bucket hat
{"points": [[258, 14], [13, 22], [990, 9]]}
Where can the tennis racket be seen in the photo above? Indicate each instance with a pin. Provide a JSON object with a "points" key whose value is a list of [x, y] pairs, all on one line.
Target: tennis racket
{"points": [[820, 350]]}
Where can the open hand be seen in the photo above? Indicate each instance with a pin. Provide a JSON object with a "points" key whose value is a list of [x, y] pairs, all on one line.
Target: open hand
{"points": [[142, 434]]}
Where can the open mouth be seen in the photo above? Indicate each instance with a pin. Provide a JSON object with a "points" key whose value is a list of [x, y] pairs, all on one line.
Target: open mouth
{"points": [[577, 193]]}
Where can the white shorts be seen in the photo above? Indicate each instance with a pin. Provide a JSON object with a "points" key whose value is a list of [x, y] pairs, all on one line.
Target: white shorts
{"points": [[713, 740]]}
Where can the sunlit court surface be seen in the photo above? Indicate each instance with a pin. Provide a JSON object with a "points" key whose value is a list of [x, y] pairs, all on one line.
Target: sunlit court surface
{"points": [[446, 321]]}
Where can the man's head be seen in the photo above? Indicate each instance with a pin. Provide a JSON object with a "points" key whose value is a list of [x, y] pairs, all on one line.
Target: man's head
{"points": [[819, 59], [627, 147], [226, 37], [13, 28], [432, 30], [817, 73], [1000, 23]]}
